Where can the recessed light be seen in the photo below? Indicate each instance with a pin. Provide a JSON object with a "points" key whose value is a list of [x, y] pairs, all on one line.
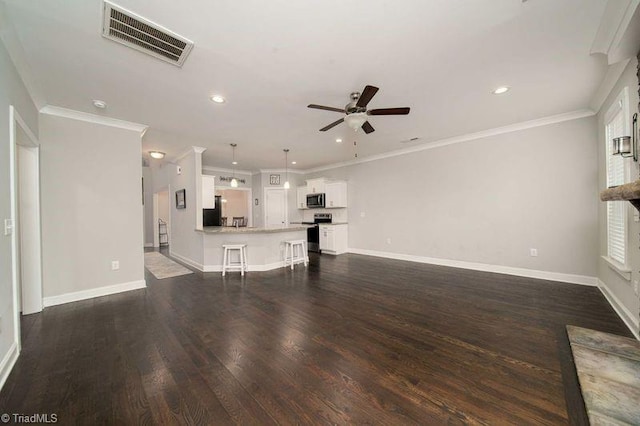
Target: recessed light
{"points": [[339, 140], [99, 104], [501, 90], [234, 162], [219, 99], [294, 162], [156, 154]]}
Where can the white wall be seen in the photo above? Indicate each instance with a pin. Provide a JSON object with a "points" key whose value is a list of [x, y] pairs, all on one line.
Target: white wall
{"points": [[295, 214], [91, 206], [257, 193], [147, 175], [12, 92], [295, 180], [484, 201], [218, 173], [619, 290], [186, 243]]}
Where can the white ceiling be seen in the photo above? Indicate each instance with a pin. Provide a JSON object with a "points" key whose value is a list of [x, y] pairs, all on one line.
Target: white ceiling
{"points": [[270, 59]]}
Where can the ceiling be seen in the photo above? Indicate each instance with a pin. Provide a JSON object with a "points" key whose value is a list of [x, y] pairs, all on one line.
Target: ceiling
{"points": [[270, 59]]}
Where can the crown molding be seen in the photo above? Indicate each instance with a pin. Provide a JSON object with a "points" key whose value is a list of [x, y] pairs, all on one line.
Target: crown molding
{"points": [[295, 171], [92, 118], [180, 156], [618, 33], [212, 169], [608, 83], [190, 150], [545, 121]]}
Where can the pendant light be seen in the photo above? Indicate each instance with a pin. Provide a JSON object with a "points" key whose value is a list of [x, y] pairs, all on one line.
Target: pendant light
{"points": [[286, 168], [234, 181]]}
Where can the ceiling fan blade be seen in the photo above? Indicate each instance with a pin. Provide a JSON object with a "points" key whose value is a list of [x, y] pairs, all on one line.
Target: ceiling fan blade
{"points": [[389, 111], [367, 94], [367, 127], [335, 123], [326, 108]]}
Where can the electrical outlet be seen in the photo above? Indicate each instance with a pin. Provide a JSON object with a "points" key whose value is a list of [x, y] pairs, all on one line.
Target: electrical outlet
{"points": [[533, 252], [388, 240], [115, 265]]}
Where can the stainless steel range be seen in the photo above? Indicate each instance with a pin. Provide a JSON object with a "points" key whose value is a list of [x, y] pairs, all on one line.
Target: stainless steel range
{"points": [[313, 233]]}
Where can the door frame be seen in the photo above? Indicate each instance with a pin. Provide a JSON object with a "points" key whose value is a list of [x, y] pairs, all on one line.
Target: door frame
{"points": [[15, 120], [286, 203]]}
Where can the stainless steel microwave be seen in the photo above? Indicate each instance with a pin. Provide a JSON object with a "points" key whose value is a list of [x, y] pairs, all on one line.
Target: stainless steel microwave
{"points": [[315, 201]]}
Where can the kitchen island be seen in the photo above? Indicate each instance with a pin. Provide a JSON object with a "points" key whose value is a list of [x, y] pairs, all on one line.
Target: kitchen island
{"points": [[265, 245]]}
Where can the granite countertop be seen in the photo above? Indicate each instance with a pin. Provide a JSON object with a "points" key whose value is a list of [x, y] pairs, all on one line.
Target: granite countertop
{"points": [[248, 230]]}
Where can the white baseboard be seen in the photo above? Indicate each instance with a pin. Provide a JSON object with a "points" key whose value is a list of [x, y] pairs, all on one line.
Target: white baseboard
{"points": [[93, 292], [148, 245], [630, 320], [186, 260], [499, 269], [7, 363], [218, 268]]}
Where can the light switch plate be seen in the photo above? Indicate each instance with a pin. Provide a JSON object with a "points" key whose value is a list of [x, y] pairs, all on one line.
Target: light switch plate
{"points": [[8, 226]]}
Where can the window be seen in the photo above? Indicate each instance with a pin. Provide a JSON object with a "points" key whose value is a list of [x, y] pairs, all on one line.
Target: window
{"points": [[617, 124]]}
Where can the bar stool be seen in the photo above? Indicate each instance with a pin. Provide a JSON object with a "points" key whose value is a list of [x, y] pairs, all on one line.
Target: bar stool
{"points": [[297, 256], [226, 258]]}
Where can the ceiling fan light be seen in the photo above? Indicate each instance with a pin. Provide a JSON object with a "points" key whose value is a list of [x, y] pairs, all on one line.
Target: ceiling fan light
{"points": [[356, 120]]}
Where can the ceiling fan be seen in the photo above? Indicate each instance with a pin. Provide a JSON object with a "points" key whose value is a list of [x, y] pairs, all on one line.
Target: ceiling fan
{"points": [[357, 111]]}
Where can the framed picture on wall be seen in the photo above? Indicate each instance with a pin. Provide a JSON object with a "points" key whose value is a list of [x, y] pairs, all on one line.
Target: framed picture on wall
{"points": [[181, 199], [274, 180]]}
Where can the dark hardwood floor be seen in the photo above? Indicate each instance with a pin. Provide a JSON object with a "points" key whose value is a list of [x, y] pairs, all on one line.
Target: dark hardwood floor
{"points": [[349, 340]]}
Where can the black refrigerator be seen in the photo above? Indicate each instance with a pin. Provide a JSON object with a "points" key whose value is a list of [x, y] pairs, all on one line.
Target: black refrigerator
{"points": [[213, 217]]}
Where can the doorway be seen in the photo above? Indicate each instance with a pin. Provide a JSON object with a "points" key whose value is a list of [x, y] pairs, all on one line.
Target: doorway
{"points": [[25, 228], [161, 212], [236, 205], [275, 209]]}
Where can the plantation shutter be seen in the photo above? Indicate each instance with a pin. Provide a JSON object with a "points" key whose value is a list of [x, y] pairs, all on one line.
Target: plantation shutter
{"points": [[616, 210]]}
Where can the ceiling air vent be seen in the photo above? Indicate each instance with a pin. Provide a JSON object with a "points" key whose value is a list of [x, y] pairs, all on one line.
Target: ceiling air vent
{"points": [[141, 34]]}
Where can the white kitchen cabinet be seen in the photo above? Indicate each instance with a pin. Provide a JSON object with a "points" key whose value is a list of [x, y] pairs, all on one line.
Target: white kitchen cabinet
{"points": [[333, 239], [335, 194], [316, 186], [208, 192], [302, 197]]}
